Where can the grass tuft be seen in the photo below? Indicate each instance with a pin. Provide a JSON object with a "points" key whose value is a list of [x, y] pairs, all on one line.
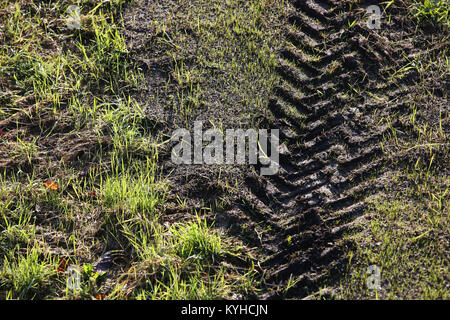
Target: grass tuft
{"points": [[432, 12], [196, 238]]}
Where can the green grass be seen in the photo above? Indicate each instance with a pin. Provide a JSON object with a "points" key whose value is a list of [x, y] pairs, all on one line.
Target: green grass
{"points": [[405, 228], [196, 238], [404, 235], [134, 193], [26, 275], [433, 12], [181, 262], [71, 91]]}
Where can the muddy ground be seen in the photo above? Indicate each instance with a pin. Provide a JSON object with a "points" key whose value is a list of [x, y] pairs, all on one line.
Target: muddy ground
{"points": [[339, 92], [327, 111]]}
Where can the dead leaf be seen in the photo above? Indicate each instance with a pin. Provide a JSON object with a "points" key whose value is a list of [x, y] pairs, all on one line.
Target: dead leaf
{"points": [[51, 185]]}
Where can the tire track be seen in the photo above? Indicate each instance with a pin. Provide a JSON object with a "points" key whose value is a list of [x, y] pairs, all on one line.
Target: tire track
{"points": [[334, 147]]}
